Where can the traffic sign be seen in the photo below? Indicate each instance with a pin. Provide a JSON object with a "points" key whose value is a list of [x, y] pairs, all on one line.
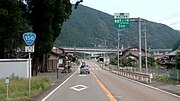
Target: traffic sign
{"points": [[29, 38], [121, 20], [29, 48]]}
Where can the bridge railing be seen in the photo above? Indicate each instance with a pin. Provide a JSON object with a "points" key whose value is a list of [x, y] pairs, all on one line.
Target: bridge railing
{"points": [[129, 73]]}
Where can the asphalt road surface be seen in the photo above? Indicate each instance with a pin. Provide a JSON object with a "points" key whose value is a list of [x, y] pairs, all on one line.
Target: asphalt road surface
{"points": [[103, 85], [128, 90], [79, 87]]}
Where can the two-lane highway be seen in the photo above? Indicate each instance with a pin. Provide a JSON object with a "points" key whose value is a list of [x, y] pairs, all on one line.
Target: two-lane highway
{"points": [[129, 90], [102, 85], [79, 87]]}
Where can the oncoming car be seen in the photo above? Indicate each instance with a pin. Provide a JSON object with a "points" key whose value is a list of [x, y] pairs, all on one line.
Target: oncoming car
{"points": [[84, 69]]}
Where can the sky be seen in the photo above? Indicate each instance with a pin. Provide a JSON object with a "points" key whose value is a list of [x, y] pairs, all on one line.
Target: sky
{"points": [[160, 11]]}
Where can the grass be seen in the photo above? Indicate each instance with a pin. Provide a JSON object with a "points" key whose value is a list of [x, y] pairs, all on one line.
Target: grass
{"points": [[168, 80], [19, 88]]}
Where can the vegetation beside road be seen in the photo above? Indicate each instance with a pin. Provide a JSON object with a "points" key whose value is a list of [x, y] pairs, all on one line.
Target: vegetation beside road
{"points": [[170, 80], [19, 88]]}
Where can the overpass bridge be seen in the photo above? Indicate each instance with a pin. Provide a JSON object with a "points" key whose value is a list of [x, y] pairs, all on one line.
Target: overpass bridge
{"points": [[90, 50], [104, 50]]}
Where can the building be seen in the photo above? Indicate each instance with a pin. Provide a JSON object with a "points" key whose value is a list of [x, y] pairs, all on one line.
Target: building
{"points": [[132, 52], [56, 59]]}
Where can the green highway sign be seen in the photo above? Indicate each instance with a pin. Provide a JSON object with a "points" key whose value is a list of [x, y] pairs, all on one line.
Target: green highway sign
{"points": [[121, 20]]}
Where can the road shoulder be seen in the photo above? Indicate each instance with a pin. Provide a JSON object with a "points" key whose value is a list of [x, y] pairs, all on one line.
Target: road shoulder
{"points": [[55, 82]]}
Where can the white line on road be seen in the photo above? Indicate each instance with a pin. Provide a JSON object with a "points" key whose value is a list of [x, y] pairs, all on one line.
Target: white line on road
{"points": [[82, 75], [97, 65], [58, 87], [79, 87], [149, 86], [152, 87]]}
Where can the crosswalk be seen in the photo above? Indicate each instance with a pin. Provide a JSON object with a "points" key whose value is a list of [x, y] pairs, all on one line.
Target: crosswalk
{"points": [[93, 69]]}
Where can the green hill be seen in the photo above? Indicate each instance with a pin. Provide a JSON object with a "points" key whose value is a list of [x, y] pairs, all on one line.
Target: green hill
{"points": [[87, 26]]}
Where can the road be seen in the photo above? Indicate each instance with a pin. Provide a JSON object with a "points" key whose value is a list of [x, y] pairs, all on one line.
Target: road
{"points": [[79, 87], [102, 85]]}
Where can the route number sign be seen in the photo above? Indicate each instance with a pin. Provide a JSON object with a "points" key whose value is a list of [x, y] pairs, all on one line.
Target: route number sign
{"points": [[29, 38]]}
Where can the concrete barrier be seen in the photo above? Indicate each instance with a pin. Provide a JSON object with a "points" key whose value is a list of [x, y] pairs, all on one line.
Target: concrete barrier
{"points": [[130, 73], [143, 77]]}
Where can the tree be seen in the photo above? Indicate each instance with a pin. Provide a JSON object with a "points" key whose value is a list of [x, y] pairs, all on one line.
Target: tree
{"points": [[47, 17], [13, 24], [177, 60], [176, 45]]}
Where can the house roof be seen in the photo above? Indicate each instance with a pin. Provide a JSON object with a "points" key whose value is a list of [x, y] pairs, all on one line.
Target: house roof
{"points": [[132, 55], [131, 47], [173, 53], [58, 50]]}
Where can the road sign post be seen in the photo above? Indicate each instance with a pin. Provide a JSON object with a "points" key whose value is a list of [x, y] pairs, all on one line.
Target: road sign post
{"points": [[29, 39], [7, 83], [121, 20]]}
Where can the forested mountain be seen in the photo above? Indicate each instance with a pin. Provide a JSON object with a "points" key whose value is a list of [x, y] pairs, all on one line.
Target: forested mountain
{"points": [[87, 26]]}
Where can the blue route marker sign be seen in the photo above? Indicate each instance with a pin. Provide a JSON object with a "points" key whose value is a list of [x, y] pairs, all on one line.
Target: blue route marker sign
{"points": [[29, 38]]}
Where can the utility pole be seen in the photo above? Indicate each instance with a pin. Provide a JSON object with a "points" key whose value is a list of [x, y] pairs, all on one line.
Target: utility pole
{"points": [[140, 55], [105, 52], [145, 42], [139, 32], [118, 47]]}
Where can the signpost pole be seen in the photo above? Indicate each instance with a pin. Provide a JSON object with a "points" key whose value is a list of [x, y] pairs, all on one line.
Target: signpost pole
{"points": [[29, 75], [121, 20], [7, 83], [29, 39]]}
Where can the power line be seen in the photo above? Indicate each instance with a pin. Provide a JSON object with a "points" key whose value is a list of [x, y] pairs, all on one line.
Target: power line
{"points": [[174, 15], [175, 23]]}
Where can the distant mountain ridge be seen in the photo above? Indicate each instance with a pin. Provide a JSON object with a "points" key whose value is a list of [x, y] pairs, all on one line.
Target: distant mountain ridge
{"points": [[88, 26]]}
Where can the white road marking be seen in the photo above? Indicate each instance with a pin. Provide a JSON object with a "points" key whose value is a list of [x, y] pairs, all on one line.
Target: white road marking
{"points": [[97, 65], [58, 87], [82, 75], [95, 69], [149, 86], [79, 87]]}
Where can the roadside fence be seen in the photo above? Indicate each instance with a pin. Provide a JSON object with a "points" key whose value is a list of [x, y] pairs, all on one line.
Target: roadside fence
{"points": [[165, 73]]}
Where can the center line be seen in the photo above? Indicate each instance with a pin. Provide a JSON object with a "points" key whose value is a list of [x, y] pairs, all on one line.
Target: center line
{"points": [[110, 96]]}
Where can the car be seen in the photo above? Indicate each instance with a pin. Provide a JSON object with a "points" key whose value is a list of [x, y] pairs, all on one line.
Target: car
{"points": [[84, 69]]}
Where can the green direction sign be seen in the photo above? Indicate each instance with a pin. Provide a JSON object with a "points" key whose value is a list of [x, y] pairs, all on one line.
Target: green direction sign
{"points": [[121, 20]]}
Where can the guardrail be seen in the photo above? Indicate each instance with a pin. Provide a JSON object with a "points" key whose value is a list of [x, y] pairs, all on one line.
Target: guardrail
{"points": [[142, 77]]}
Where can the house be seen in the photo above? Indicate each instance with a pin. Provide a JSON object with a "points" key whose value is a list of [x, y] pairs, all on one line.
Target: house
{"points": [[132, 52], [169, 64], [172, 55], [56, 59], [167, 61]]}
